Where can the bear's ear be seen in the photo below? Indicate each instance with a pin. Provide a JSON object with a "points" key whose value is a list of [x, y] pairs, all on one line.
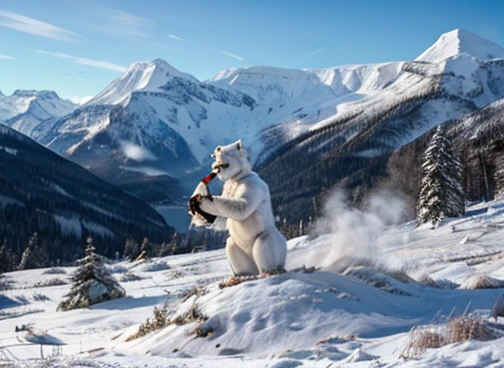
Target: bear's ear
{"points": [[239, 144]]}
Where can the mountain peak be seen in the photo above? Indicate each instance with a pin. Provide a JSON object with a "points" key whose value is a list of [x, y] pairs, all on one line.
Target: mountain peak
{"points": [[34, 93], [142, 75], [156, 66], [459, 42]]}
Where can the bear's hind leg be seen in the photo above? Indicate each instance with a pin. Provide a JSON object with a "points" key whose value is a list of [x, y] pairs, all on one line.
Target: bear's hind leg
{"points": [[270, 250], [241, 263]]}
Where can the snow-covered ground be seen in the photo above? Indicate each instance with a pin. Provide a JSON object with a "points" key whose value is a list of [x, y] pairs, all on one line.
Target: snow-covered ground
{"points": [[351, 315]]}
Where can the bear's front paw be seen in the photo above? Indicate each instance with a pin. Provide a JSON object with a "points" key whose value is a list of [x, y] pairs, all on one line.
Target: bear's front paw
{"points": [[195, 208], [194, 203]]}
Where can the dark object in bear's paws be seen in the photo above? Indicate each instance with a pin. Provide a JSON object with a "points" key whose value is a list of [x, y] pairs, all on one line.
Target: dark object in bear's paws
{"points": [[194, 206]]}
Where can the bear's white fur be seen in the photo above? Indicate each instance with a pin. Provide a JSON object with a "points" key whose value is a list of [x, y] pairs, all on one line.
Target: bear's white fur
{"points": [[254, 245]]}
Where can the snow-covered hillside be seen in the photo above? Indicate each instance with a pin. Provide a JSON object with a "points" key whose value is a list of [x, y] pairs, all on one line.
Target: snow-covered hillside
{"points": [[24, 110], [356, 313]]}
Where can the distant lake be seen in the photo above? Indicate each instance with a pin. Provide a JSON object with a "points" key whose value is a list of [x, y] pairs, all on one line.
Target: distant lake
{"points": [[176, 216]]}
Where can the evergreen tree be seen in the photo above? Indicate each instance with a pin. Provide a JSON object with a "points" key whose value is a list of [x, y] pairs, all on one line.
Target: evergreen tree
{"points": [[167, 249], [174, 243], [146, 248], [92, 283], [131, 249], [34, 256], [442, 192], [7, 259]]}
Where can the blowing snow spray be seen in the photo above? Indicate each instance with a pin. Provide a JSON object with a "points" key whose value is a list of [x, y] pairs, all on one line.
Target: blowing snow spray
{"points": [[201, 217]]}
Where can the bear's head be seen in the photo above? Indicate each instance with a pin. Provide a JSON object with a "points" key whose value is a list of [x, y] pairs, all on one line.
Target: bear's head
{"points": [[231, 160]]}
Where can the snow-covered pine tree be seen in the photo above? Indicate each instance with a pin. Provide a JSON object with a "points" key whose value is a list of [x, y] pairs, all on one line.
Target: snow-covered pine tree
{"points": [[34, 256], [442, 191], [92, 283], [131, 249], [7, 259]]}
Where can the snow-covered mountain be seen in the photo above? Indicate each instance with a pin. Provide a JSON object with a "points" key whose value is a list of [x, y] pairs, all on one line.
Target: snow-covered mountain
{"points": [[24, 110], [352, 147], [158, 123]]}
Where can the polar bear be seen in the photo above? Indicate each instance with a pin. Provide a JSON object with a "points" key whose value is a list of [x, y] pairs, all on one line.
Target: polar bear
{"points": [[254, 245]]}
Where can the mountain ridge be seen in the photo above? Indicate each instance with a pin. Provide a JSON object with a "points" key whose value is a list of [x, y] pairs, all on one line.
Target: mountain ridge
{"points": [[156, 121]]}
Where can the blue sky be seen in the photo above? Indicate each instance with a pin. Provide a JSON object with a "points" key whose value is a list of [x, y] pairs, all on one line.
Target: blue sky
{"points": [[77, 47]]}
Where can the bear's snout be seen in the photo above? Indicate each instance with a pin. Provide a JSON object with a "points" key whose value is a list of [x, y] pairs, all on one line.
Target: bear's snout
{"points": [[219, 166]]}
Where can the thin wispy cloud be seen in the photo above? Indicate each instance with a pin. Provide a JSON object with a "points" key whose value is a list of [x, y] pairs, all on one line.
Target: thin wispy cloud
{"points": [[120, 24], [227, 53], [85, 61], [36, 27], [5, 57], [175, 37], [67, 77], [128, 19], [309, 54]]}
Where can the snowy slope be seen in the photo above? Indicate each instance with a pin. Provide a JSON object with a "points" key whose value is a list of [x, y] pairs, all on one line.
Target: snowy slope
{"points": [[24, 110], [360, 318]]}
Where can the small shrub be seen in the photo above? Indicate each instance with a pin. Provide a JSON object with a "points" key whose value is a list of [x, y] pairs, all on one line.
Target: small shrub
{"points": [[161, 320], [130, 276], [54, 271], [194, 291], [192, 315], [203, 331], [50, 282], [40, 297], [115, 268], [5, 283], [156, 266]]}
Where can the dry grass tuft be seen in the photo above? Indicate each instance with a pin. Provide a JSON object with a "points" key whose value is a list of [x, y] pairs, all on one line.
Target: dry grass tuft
{"points": [[426, 280], [482, 282], [422, 338], [457, 330], [466, 328], [196, 291]]}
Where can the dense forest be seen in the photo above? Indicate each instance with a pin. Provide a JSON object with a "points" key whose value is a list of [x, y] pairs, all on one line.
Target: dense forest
{"points": [[63, 203]]}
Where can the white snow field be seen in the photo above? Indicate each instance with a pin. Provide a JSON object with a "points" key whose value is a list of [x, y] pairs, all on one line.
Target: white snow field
{"points": [[357, 318]]}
